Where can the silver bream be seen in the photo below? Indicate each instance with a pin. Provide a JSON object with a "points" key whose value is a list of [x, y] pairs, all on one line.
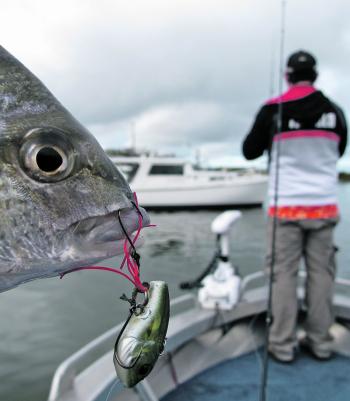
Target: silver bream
{"points": [[59, 192]]}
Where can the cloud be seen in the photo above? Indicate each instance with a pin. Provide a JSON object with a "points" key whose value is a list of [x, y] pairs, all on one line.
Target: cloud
{"points": [[197, 121], [180, 72], [185, 125]]}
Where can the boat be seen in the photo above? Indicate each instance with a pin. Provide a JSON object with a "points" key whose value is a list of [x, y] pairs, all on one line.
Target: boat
{"points": [[163, 182], [214, 347]]}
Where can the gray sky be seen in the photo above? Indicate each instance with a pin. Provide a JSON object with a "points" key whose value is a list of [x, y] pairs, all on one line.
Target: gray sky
{"points": [[185, 74]]}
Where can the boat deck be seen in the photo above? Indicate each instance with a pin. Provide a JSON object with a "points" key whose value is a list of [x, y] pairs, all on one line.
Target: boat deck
{"points": [[202, 340], [239, 380]]}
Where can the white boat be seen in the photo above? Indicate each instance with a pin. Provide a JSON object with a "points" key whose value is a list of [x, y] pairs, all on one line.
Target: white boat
{"points": [[215, 354], [169, 182]]}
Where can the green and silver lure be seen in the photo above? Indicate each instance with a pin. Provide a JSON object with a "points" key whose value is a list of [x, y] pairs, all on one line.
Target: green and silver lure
{"points": [[142, 338]]}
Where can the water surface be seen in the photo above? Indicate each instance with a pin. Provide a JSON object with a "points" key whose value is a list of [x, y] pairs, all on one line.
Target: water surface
{"points": [[45, 321]]}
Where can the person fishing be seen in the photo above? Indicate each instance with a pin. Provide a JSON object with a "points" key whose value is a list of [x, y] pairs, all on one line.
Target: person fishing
{"points": [[304, 133]]}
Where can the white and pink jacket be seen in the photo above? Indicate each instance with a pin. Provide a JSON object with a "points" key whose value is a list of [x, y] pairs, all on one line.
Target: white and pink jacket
{"points": [[312, 138]]}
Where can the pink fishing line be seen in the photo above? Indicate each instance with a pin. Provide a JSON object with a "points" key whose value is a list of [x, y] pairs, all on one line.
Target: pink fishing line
{"points": [[133, 241], [98, 268], [132, 266], [126, 248]]}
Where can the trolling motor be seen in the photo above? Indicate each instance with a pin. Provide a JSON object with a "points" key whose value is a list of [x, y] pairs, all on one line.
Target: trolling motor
{"points": [[220, 289]]}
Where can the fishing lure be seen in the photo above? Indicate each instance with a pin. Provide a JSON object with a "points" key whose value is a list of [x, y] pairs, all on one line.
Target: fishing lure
{"points": [[142, 337]]}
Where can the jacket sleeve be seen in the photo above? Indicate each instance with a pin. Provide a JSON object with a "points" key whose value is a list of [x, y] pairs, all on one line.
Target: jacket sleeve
{"points": [[343, 131], [258, 139]]}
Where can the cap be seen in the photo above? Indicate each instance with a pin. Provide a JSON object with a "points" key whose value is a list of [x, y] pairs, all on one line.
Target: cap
{"points": [[301, 61]]}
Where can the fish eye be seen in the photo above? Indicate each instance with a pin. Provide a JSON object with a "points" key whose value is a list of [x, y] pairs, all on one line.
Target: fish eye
{"points": [[49, 159], [47, 155]]}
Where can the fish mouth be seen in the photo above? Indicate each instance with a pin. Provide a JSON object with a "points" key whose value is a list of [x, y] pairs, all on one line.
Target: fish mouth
{"points": [[107, 230]]}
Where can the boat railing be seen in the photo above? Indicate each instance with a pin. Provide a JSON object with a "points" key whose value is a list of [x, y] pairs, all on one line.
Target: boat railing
{"points": [[257, 276]]}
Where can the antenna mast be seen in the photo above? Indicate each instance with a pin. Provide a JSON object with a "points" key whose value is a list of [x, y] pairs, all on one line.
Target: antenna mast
{"points": [[133, 136]]}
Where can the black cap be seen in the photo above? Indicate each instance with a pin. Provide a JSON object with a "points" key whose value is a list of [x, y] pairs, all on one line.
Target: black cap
{"points": [[301, 61]]}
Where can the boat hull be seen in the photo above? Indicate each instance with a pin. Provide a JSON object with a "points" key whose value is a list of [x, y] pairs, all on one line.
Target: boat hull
{"points": [[171, 183], [214, 196]]}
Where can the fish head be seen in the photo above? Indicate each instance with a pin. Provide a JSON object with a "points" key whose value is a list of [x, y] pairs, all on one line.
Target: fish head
{"points": [[59, 191], [142, 340]]}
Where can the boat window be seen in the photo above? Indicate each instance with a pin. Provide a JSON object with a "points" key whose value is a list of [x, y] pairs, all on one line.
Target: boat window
{"points": [[128, 170], [167, 169]]}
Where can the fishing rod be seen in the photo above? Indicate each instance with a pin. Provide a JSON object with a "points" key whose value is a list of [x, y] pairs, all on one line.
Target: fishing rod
{"points": [[271, 89], [269, 317]]}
